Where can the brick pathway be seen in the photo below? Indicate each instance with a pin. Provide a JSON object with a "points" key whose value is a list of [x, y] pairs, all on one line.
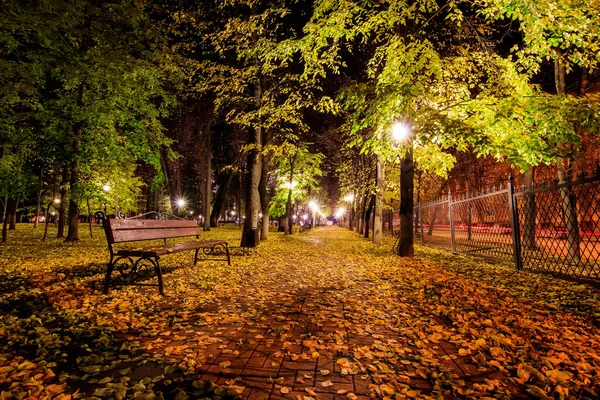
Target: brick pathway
{"points": [[318, 315], [316, 324]]}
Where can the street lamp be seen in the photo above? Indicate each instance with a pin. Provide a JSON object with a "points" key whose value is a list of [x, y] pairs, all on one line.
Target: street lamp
{"points": [[402, 134]]}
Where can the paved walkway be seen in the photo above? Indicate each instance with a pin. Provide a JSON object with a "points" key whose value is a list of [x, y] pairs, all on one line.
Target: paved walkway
{"points": [[321, 315]]}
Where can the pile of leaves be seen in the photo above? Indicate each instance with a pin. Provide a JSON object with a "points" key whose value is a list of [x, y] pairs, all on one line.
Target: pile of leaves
{"points": [[438, 326]]}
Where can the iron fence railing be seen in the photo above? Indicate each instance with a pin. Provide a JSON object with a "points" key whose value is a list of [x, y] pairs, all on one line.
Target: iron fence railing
{"points": [[553, 228]]}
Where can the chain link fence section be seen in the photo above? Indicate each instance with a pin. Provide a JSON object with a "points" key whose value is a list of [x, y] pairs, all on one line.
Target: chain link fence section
{"points": [[560, 228], [482, 225], [549, 228]]}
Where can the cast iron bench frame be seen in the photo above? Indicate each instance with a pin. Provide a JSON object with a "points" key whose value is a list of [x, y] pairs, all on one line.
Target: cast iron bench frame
{"points": [[137, 229]]}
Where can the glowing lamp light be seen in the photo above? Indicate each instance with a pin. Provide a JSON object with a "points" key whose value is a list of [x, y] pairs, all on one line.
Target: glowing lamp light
{"points": [[180, 203], [293, 217], [305, 217], [260, 215], [191, 212], [106, 188], [340, 212], [349, 198], [56, 201], [400, 132], [53, 213], [232, 212]]}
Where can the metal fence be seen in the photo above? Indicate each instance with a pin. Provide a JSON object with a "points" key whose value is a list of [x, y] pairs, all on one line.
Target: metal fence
{"points": [[553, 228]]}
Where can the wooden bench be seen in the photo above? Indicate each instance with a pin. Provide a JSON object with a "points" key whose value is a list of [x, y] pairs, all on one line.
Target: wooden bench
{"points": [[134, 230]]}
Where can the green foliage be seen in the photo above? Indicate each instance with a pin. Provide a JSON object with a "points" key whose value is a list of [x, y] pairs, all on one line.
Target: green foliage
{"points": [[305, 167], [571, 26]]}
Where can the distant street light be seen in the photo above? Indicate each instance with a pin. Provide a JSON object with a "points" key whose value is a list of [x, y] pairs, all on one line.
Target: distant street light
{"points": [[56, 201], [180, 203], [106, 188]]}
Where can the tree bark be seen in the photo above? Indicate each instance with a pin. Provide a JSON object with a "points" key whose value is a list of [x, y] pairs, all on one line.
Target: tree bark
{"points": [[367, 222], [289, 222], [4, 229], [73, 232], [252, 195], [225, 179], [39, 199], [378, 222], [568, 200], [89, 217], [406, 239], [530, 210], [435, 209], [207, 181], [63, 200], [13, 204], [262, 190], [361, 218]]}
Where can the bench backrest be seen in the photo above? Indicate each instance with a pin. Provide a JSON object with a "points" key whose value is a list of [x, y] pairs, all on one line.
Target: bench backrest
{"points": [[130, 230]]}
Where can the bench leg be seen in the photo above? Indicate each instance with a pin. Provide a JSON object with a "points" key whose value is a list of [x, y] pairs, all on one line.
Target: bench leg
{"points": [[159, 275], [196, 256], [228, 256], [109, 270]]}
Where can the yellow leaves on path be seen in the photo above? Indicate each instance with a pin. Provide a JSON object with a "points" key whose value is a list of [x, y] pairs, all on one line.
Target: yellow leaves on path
{"points": [[306, 316]]}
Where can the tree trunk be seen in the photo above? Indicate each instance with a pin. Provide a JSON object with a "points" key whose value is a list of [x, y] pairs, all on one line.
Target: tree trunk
{"points": [[73, 232], [378, 222], [225, 179], [63, 201], [469, 207], [252, 198], [239, 196], [367, 222], [4, 218], [207, 181], [289, 222], [89, 217], [39, 199], [568, 200], [264, 195], [569, 207], [530, 211], [13, 204], [4, 229], [361, 218], [435, 209], [5, 208], [406, 239], [48, 209]]}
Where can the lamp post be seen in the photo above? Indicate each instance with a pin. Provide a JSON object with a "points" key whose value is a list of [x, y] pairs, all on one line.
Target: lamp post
{"points": [[401, 133]]}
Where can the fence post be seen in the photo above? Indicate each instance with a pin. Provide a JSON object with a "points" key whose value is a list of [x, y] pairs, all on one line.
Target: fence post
{"points": [[451, 216], [513, 210], [421, 221]]}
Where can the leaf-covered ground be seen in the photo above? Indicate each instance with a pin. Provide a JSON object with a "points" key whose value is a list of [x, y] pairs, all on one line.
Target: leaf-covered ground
{"points": [[322, 315]]}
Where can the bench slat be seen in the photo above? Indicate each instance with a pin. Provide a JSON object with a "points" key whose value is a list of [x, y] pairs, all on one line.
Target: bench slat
{"points": [[132, 235], [176, 248], [125, 224]]}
